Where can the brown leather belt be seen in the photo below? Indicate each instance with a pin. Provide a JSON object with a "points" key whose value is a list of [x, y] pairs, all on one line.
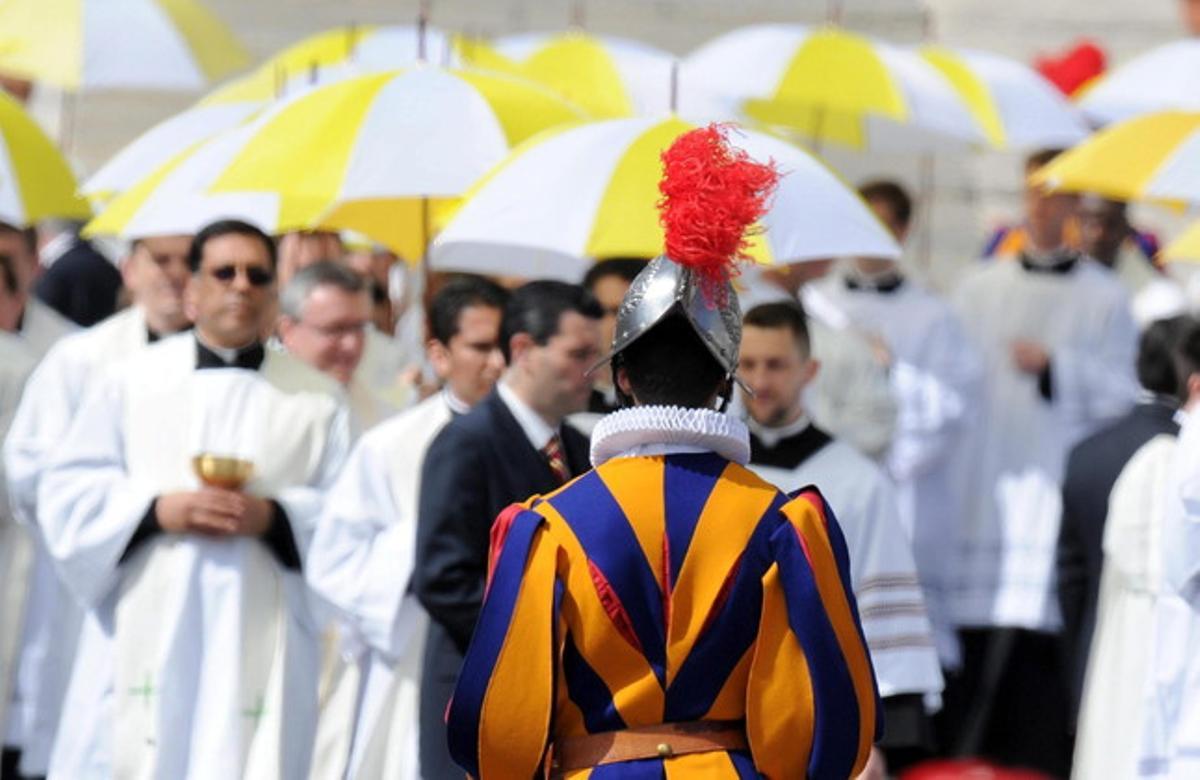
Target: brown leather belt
{"points": [[660, 741]]}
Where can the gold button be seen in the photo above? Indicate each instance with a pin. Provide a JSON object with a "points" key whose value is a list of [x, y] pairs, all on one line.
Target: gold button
{"points": [[664, 750]]}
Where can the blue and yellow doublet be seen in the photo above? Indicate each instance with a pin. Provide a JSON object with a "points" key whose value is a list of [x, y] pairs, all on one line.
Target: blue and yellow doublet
{"points": [[668, 589]]}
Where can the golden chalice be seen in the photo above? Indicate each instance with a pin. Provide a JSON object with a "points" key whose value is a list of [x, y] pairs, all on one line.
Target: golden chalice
{"points": [[222, 471]]}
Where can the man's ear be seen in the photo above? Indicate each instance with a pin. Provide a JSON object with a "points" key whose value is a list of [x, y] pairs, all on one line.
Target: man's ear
{"points": [[623, 383], [811, 369], [189, 298], [439, 357], [518, 346], [1193, 389]]}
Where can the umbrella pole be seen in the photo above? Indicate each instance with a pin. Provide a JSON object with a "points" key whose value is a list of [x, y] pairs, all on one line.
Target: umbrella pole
{"points": [[675, 86], [422, 27], [426, 229], [578, 15], [927, 178], [66, 123]]}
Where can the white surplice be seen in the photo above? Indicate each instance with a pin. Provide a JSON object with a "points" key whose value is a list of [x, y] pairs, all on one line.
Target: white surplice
{"points": [[934, 377], [362, 560], [199, 656], [1170, 741], [850, 397], [16, 361], [1113, 708], [882, 572], [1019, 440], [53, 619]]}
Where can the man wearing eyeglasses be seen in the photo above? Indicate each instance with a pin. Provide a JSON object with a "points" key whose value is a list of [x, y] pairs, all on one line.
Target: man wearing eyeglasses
{"points": [[325, 310], [178, 508]]}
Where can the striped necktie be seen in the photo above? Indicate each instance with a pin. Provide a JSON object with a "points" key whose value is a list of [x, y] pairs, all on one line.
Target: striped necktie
{"points": [[555, 458]]}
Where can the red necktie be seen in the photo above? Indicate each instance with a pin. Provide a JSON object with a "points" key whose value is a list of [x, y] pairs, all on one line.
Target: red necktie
{"points": [[555, 458]]}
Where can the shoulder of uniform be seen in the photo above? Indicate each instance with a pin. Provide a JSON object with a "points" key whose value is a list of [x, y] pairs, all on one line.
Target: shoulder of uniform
{"points": [[292, 375]]}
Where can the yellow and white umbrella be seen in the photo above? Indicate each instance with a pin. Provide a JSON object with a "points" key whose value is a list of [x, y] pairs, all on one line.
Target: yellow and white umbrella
{"points": [[607, 76], [377, 153], [1014, 105], [589, 192], [375, 144], [827, 85], [1162, 79], [1153, 157], [35, 181], [1185, 248], [117, 44]]}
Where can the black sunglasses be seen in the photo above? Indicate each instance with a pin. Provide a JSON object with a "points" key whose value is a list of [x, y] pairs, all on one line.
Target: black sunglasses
{"points": [[259, 277]]}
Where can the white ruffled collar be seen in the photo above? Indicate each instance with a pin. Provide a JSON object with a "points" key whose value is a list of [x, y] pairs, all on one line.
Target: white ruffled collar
{"points": [[664, 430]]}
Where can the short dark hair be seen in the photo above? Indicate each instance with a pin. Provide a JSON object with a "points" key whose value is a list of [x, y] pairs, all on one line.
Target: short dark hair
{"points": [[669, 365], [1186, 349], [891, 193], [226, 227], [1040, 159], [626, 268], [27, 234], [325, 273], [8, 275], [463, 292], [782, 314], [536, 308]]}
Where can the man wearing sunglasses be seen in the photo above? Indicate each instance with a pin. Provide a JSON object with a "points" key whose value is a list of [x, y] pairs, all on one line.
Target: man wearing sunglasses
{"points": [[178, 508]]}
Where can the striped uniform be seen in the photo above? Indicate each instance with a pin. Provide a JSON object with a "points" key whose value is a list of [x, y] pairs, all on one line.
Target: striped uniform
{"points": [[665, 589]]}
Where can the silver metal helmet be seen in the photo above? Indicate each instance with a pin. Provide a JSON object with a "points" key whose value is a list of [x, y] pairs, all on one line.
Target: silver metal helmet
{"points": [[664, 287]]}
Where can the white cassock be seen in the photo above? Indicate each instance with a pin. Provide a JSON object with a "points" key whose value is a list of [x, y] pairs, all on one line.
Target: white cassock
{"points": [[1018, 443], [361, 562], [41, 326], [882, 572], [1113, 707], [53, 618], [1170, 744], [380, 368], [850, 397], [199, 656], [16, 361], [934, 378]]}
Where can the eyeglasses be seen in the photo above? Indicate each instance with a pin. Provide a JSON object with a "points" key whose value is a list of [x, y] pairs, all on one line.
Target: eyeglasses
{"points": [[259, 277]]}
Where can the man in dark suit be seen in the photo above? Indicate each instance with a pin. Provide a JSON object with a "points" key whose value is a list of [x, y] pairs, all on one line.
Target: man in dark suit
{"points": [[79, 282], [510, 446], [1092, 469]]}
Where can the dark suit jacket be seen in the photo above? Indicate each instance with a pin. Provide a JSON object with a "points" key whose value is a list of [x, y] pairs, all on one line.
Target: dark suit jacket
{"points": [[479, 464], [1092, 469], [82, 285]]}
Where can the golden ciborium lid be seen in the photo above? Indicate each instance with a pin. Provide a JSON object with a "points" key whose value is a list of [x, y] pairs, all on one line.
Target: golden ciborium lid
{"points": [[222, 471]]}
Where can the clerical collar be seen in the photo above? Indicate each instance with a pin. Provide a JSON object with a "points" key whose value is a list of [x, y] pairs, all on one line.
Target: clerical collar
{"points": [[885, 283], [1058, 262], [788, 446], [249, 357], [667, 430], [456, 404], [770, 435]]}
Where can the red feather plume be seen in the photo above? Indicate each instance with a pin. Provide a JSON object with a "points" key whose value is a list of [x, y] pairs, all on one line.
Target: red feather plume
{"points": [[711, 194]]}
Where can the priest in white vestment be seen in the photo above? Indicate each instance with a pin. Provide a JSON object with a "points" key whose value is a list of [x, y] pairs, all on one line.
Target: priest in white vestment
{"points": [[850, 397], [1170, 734], [199, 654], [1058, 347], [16, 361], [155, 272], [325, 313], [934, 374], [362, 555], [788, 450]]}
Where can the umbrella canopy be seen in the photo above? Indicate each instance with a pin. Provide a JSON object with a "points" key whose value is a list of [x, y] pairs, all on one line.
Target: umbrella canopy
{"points": [[35, 181], [589, 192], [1162, 79], [1014, 105], [371, 142], [828, 85], [607, 76], [1152, 157], [117, 44]]}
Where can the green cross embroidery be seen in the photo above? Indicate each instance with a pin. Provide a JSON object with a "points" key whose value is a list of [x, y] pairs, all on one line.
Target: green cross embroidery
{"points": [[145, 691], [256, 712]]}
